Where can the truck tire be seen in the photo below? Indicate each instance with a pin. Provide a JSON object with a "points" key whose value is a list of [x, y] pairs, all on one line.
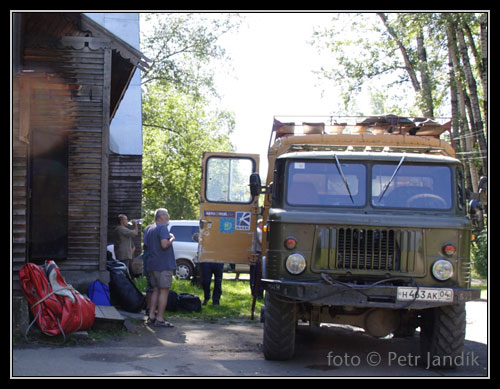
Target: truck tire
{"points": [[279, 329], [442, 336]]}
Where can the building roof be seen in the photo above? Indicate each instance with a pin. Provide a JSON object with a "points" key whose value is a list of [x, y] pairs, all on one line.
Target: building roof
{"points": [[77, 31], [125, 50]]}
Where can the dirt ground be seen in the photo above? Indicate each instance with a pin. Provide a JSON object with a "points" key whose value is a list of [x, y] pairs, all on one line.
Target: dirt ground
{"points": [[234, 348]]}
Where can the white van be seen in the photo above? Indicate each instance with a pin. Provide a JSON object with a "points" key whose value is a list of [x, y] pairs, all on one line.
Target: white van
{"points": [[185, 245]]}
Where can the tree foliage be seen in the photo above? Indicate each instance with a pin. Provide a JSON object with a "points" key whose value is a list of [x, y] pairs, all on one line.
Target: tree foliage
{"points": [[183, 47], [180, 116], [177, 130]]}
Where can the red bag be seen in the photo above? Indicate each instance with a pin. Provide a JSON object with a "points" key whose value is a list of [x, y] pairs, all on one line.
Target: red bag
{"points": [[58, 308]]}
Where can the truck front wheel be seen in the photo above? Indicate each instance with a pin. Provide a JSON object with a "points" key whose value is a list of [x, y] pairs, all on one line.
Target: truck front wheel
{"points": [[442, 335], [280, 320]]}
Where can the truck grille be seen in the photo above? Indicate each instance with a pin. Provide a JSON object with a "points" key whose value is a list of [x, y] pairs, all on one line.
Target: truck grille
{"points": [[367, 250]]}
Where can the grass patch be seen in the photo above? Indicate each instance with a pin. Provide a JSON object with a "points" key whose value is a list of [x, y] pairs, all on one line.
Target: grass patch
{"points": [[235, 302]]}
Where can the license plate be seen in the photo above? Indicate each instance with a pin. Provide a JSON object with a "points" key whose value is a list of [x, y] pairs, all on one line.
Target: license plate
{"points": [[425, 294]]}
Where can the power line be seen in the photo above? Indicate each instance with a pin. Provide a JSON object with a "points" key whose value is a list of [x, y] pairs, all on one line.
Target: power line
{"points": [[469, 135], [469, 152]]}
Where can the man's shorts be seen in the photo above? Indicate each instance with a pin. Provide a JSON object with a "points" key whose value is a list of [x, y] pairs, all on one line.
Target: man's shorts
{"points": [[161, 279]]}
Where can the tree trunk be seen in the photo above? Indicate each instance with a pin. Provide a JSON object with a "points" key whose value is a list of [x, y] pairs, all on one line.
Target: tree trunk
{"points": [[465, 135], [408, 65], [454, 103], [426, 93], [468, 140], [484, 67], [477, 125]]}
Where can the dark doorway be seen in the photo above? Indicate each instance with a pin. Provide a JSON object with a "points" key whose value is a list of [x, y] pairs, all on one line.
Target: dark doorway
{"points": [[48, 196]]}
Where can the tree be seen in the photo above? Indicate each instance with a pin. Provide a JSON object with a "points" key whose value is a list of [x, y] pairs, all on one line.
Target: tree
{"points": [[360, 53], [459, 123], [409, 65], [388, 55], [477, 121], [180, 117], [178, 128], [470, 114], [183, 46]]}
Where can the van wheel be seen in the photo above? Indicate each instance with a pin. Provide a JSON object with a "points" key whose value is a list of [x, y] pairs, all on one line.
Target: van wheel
{"points": [[279, 329], [442, 335], [184, 270]]}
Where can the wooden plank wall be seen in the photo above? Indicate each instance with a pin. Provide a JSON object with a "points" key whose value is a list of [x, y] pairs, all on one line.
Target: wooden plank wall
{"points": [[85, 162], [19, 179], [125, 191], [81, 73]]}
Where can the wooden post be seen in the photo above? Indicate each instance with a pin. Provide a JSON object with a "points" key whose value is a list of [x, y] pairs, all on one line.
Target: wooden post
{"points": [[104, 158]]}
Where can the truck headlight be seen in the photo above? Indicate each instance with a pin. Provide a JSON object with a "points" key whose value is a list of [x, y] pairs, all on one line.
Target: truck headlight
{"points": [[442, 269], [295, 263]]}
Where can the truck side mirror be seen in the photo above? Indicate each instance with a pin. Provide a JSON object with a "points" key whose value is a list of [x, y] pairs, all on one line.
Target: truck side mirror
{"points": [[255, 184]]}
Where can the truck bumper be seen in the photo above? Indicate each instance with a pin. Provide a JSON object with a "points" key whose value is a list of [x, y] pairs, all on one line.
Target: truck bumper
{"points": [[373, 296]]}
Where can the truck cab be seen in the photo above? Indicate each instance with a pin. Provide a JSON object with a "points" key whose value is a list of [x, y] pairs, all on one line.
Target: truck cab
{"points": [[365, 223]]}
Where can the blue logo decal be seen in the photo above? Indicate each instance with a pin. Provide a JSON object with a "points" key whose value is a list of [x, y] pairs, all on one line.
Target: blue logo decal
{"points": [[243, 220]]}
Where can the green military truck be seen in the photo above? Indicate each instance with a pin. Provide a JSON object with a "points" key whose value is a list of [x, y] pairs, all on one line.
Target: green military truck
{"points": [[365, 223]]}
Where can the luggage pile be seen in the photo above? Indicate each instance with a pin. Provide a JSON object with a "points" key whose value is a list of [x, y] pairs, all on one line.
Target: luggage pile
{"points": [[58, 308]]}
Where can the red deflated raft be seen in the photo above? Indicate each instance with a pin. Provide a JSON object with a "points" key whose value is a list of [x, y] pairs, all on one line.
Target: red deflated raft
{"points": [[57, 307]]}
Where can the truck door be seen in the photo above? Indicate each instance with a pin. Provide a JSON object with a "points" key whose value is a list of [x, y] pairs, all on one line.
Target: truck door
{"points": [[228, 211]]}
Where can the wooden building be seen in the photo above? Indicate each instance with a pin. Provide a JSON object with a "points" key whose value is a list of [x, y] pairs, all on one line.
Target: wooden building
{"points": [[69, 75]]}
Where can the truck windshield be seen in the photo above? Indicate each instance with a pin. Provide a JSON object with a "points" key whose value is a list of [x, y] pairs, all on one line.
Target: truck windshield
{"points": [[321, 183], [414, 187]]}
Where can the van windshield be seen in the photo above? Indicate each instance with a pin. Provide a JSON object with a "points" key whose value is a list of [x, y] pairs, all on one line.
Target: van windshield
{"points": [[321, 183], [413, 187]]}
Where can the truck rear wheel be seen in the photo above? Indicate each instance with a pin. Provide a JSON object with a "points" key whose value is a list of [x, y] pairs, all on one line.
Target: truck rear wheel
{"points": [[442, 336], [279, 329]]}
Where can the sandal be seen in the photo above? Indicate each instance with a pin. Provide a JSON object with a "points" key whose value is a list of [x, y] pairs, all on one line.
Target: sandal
{"points": [[163, 324], [150, 321]]}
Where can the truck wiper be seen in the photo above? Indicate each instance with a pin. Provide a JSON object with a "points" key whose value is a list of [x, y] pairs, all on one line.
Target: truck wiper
{"points": [[392, 178], [343, 177]]}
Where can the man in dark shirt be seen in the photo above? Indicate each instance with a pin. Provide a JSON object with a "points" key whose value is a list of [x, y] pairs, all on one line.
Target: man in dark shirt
{"points": [[160, 265]]}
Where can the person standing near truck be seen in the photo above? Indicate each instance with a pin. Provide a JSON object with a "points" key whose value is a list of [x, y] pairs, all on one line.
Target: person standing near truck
{"points": [[207, 269], [160, 265]]}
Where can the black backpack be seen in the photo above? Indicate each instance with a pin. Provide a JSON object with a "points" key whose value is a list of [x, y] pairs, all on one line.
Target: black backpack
{"points": [[123, 291], [183, 302], [189, 303]]}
